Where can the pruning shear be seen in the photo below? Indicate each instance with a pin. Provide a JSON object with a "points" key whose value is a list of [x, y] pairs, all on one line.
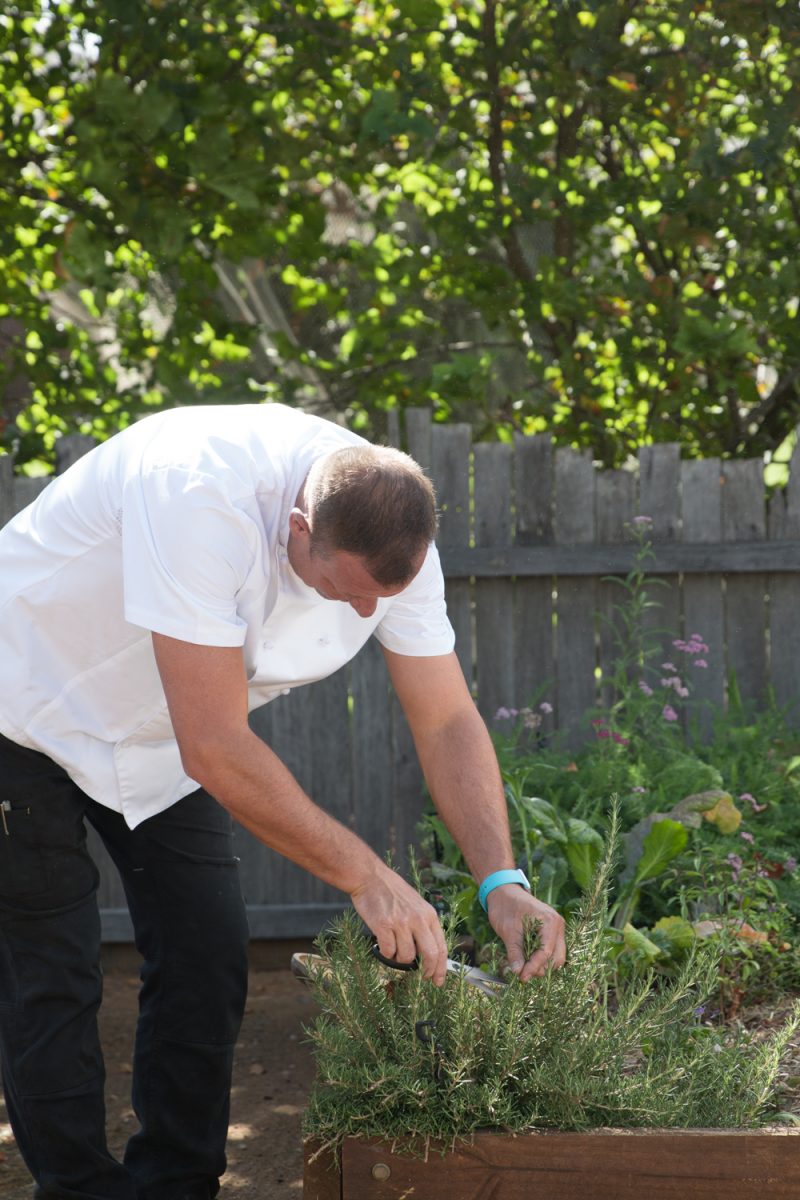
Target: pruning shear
{"points": [[482, 980], [303, 967]]}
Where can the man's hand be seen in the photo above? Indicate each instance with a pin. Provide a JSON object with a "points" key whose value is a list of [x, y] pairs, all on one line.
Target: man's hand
{"points": [[404, 924], [510, 908]]}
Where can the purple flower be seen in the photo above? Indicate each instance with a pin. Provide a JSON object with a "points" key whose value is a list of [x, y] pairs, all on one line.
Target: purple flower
{"points": [[669, 667], [648, 691], [546, 707], [700, 662], [668, 713], [639, 790], [620, 740], [735, 863], [746, 837], [604, 733], [695, 645], [505, 714], [530, 719], [790, 865], [701, 1008], [641, 520]]}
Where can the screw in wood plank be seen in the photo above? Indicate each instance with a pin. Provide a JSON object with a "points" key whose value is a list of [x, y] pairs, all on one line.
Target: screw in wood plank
{"points": [[381, 1172]]}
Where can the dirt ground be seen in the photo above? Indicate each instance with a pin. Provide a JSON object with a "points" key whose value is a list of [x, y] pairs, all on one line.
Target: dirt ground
{"points": [[272, 1078]]}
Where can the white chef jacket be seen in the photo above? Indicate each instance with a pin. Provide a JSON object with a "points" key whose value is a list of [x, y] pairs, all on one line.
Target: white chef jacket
{"points": [[178, 525]]}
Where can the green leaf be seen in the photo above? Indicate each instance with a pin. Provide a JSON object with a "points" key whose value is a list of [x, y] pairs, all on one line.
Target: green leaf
{"points": [[640, 946], [552, 873], [234, 187], [724, 814], [584, 850], [675, 933], [546, 819], [664, 842]]}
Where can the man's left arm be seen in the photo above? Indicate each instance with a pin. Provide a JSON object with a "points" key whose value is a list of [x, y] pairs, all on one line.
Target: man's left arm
{"points": [[461, 770]]}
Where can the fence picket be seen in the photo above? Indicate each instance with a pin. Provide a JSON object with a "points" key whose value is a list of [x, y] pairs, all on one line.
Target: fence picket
{"points": [[372, 747], [291, 720], [784, 627], [575, 635], [329, 745], [534, 641], [615, 497], [408, 794], [70, 448], [744, 519], [494, 598], [659, 498], [451, 446], [703, 606]]}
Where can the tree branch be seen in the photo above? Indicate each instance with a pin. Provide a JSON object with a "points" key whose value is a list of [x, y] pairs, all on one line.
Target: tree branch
{"points": [[762, 411]]}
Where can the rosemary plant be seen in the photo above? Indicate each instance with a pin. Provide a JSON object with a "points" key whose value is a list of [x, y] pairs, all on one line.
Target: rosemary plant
{"points": [[560, 1052]]}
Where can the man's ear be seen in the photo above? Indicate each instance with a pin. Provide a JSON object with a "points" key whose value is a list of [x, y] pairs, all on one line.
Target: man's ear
{"points": [[299, 523]]}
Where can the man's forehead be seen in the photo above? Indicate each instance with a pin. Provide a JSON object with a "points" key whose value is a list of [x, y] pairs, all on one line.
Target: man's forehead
{"points": [[350, 571]]}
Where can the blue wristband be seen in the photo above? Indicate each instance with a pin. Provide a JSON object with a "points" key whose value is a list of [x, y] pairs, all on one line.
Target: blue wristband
{"points": [[497, 879]]}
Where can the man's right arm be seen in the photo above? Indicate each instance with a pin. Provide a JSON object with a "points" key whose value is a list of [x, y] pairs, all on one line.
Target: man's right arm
{"points": [[206, 691]]}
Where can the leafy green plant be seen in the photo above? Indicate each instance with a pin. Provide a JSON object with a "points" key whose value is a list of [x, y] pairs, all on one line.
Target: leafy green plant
{"points": [[734, 900], [558, 1052], [681, 799]]}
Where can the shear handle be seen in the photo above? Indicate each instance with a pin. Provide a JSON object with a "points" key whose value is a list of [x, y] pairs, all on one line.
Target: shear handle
{"points": [[393, 962]]}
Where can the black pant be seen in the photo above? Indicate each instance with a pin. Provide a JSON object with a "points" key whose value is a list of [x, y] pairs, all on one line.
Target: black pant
{"points": [[183, 892]]}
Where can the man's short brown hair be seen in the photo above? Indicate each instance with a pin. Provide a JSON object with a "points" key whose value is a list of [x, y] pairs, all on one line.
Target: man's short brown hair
{"points": [[376, 502]]}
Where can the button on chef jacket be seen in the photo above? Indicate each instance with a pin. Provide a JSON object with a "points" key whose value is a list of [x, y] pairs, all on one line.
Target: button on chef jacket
{"points": [[177, 525]]}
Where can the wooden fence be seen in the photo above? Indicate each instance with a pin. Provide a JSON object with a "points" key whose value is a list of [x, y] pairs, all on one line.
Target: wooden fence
{"points": [[527, 535]]}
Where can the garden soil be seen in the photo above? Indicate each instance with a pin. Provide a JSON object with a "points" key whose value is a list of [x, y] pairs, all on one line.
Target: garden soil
{"points": [[273, 1073]]}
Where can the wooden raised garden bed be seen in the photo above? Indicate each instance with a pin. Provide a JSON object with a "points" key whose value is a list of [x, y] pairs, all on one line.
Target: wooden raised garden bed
{"points": [[641, 1165]]}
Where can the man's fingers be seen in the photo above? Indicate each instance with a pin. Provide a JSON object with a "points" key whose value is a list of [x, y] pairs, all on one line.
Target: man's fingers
{"points": [[405, 925], [406, 947], [515, 954], [433, 953], [512, 912], [551, 953], [539, 964], [387, 945]]}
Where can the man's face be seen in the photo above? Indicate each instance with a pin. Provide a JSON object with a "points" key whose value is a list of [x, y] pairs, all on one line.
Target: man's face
{"points": [[343, 576], [338, 575]]}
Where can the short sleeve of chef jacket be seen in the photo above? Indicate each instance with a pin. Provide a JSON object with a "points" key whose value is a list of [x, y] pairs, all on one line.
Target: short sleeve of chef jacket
{"points": [[187, 550]]}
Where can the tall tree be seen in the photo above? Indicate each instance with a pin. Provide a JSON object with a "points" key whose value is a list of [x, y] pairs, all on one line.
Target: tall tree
{"points": [[573, 216]]}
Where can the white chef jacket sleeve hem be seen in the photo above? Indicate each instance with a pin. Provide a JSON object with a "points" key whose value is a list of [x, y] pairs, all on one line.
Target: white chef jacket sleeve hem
{"points": [[419, 647], [206, 634]]}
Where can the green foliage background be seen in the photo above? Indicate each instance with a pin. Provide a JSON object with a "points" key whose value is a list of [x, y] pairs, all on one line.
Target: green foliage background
{"points": [[575, 216]]}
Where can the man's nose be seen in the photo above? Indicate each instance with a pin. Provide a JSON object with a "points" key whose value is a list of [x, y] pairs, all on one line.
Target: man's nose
{"points": [[364, 608]]}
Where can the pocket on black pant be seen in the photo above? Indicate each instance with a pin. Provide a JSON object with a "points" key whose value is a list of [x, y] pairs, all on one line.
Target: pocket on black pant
{"points": [[22, 865]]}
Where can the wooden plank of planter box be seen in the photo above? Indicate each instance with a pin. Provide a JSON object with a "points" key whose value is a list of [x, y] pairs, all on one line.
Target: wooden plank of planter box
{"points": [[703, 1165], [322, 1179]]}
